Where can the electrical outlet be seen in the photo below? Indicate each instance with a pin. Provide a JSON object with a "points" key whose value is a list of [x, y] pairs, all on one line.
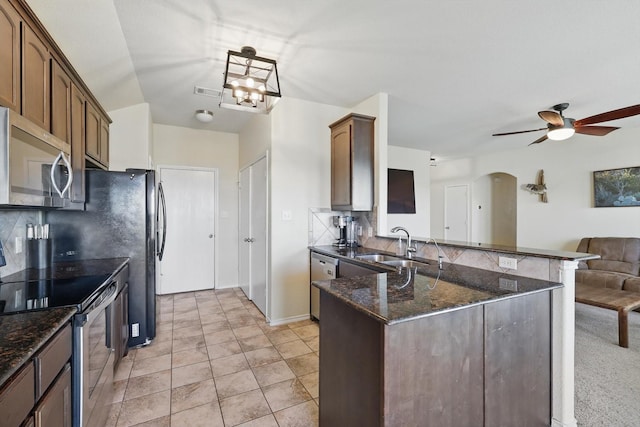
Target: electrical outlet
{"points": [[135, 330], [287, 215], [370, 231], [506, 262], [18, 245], [508, 284]]}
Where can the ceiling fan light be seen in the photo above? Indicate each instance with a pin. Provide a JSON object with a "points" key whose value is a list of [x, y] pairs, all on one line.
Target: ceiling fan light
{"points": [[560, 133]]}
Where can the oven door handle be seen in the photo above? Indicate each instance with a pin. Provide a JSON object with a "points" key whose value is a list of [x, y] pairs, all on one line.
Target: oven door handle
{"points": [[108, 297]]}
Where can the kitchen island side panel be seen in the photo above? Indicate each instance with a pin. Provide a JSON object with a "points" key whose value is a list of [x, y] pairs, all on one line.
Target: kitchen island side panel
{"points": [[433, 370], [518, 361], [350, 366]]}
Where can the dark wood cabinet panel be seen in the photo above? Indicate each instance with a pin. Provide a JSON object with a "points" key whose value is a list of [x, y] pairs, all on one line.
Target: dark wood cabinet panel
{"points": [[483, 365], [51, 359], [18, 397], [35, 79], [60, 102], [341, 165], [54, 409], [96, 136], [9, 56], [350, 374], [92, 132], [352, 146], [77, 131], [518, 361], [104, 142]]}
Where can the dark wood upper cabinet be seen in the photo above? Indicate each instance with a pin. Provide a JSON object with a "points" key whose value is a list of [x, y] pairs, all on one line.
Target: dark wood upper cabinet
{"points": [[92, 132], [35, 79], [352, 148], [104, 141], [60, 102], [9, 57]]}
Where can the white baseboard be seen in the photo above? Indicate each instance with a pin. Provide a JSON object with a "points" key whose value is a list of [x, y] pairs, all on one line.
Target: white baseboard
{"points": [[284, 321]]}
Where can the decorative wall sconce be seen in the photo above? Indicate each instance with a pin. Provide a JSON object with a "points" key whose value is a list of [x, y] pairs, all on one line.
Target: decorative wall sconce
{"points": [[251, 82], [540, 188]]}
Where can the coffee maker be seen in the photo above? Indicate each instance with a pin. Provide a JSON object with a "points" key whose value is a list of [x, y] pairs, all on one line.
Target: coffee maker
{"points": [[347, 226]]}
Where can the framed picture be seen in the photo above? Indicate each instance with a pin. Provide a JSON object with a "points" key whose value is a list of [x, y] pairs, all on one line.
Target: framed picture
{"points": [[401, 196], [617, 187]]}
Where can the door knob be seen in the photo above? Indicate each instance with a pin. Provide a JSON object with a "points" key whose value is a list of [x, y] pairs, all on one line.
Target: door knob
{"points": [[447, 228], [211, 236]]}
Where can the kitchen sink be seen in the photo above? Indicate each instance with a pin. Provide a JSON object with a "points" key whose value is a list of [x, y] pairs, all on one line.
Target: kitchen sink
{"points": [[405, 263], [378, 258]]}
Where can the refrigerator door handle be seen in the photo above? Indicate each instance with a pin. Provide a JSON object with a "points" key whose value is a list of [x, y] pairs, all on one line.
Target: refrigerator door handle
{"points": [[162, 200]]}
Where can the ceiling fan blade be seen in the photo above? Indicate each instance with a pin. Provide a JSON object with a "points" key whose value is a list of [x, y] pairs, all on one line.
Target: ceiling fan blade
{"points": [[595, 130], [551, 117], [610, 115], [522, 131], [539, 140]]}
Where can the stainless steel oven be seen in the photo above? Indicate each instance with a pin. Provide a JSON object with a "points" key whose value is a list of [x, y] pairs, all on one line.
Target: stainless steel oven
{"points": [[93, 363], [94, 357]]}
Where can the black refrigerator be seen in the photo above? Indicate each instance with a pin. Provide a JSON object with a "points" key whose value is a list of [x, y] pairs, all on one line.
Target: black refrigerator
{"points": [[121, 219]]}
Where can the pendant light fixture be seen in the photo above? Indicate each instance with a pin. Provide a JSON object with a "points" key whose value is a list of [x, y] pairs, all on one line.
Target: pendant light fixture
{"points": [[251, 82]]}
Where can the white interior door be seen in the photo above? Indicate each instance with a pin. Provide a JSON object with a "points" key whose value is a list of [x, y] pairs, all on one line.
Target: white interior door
{"points": [[244, 234], [456, 213], [259, 238], [189, 258]]}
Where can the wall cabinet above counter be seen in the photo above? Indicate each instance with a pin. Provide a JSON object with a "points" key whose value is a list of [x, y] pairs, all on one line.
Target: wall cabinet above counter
{"points": [[38, 82], [352, 147]]}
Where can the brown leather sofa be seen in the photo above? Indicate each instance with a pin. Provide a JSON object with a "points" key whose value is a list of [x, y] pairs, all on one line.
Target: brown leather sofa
{"points": [[618, 266]]}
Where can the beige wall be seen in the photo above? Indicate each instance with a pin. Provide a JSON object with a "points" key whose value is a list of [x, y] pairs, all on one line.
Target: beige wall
{"points": [[178, 146], [568, 169], [418, 224], [130, 138]]}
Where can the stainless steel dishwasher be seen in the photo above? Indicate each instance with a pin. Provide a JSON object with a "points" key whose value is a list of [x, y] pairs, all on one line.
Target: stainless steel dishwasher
{"points": [[322, 268]]}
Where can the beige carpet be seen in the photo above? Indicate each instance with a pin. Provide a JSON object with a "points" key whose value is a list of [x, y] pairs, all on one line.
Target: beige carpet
{"points": [[607, 377]]}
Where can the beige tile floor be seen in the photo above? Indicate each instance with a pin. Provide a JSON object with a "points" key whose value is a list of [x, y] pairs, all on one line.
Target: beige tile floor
{"points": [[216, 362]]}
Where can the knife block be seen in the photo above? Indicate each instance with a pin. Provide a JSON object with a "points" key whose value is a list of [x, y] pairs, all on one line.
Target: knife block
{"points": [[39, 253]]}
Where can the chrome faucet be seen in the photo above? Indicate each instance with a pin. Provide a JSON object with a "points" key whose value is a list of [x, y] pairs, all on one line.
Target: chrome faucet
{"points": [[438, 249], [410, 249]]}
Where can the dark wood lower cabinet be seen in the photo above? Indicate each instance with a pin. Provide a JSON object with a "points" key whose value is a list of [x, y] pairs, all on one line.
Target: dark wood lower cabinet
{"points": [[481, 365], [54, 409]]}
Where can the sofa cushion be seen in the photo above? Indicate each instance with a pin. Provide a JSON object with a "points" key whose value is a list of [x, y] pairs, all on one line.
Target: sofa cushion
{"points": [[617, 254], [605, 279], [632, 284]]}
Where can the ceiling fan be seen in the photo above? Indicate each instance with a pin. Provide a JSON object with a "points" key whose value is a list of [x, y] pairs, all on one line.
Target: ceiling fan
{"points": [[560, 128]]}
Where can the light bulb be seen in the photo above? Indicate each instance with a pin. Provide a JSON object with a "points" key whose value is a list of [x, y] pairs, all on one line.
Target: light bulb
{"points": [[262, 88], [250, 82], [235, 83]]}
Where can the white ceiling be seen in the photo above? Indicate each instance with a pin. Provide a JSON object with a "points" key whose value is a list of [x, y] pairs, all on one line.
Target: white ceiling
{"points": [[456, 71]]}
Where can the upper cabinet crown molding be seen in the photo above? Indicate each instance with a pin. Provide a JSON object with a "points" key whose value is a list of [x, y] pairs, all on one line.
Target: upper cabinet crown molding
{"points": [[352, 148]]}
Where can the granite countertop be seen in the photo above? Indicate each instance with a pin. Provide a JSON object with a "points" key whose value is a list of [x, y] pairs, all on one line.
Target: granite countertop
{"points": [[23, 334], [407, 294]]}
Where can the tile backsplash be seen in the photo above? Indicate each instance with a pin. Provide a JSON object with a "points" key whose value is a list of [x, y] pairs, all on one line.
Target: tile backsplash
{"points": [[13, 224]]}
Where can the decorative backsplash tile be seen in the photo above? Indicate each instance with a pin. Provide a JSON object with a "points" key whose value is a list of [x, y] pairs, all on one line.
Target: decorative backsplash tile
{"points": [[13, 224]]}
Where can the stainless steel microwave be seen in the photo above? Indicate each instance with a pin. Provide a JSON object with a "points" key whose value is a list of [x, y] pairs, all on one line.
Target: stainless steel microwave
{"points": [[35, 166]]}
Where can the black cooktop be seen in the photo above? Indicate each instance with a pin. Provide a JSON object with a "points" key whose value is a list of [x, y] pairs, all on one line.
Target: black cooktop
{"points": [[37, 294]]}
